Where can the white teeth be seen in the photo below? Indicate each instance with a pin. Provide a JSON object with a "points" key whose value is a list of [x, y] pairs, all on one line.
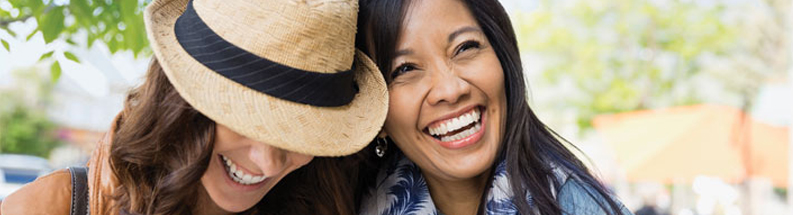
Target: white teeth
{"points": [[456, 123], [463, 134], [237, 175]]}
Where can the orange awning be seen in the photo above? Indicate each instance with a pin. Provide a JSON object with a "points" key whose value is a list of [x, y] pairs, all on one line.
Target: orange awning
{"points": [[680, 143]]}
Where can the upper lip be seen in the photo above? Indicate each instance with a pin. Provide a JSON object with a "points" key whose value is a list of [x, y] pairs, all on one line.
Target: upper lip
{"points": [[450, 116]]}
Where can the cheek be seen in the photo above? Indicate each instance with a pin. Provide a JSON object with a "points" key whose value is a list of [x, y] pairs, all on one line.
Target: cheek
{"points": [[214, 169], [498, 96], [402, 110], [403, 114], [301, 159], [498, 92], [489, 77], [225, 140]]}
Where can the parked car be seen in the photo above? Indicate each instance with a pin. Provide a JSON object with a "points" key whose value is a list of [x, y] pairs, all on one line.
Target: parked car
{"points": [[18, 170]]}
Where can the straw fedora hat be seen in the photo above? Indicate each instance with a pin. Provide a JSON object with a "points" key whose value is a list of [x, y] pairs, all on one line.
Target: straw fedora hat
{"points": [[284, 73]]}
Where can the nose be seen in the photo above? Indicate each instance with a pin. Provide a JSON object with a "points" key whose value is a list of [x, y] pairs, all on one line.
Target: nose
{"points": [[270, 160], [447, 86]]}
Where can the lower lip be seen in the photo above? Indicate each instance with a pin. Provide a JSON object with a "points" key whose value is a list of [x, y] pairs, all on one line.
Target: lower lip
{"points": [[467, 141], [236, 185]]}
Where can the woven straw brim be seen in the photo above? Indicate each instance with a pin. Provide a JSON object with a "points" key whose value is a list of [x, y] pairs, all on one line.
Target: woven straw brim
{"points": [[319, 131]]}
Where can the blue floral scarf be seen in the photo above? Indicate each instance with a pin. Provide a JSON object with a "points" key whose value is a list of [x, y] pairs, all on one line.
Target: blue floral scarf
{"points": [[401, 189]]}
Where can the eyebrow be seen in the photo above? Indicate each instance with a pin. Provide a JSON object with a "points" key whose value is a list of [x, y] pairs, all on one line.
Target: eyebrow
{"points": [[453, 35], [403, 52], [463, 30]]}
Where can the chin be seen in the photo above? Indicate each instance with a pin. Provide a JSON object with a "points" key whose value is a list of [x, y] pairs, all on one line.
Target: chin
{"points": [[469, 167], [232, 202], [467, 174], [236, 206], [475, 164]]}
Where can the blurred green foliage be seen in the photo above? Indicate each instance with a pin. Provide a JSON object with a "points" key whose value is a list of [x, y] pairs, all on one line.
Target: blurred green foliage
{"points": [[25, 127], [623, 55], [119, 24], [26, 131]]}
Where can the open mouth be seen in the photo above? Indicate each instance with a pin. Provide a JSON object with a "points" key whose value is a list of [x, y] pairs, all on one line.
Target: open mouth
{"points": [[237, 175], [457, 128]]}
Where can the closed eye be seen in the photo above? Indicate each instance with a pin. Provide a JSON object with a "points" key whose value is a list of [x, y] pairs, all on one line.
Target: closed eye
{"points": [[467, 45], [402, 69]]}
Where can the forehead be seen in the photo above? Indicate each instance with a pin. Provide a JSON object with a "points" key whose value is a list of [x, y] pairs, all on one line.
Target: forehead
{"points": [[435, 18]]}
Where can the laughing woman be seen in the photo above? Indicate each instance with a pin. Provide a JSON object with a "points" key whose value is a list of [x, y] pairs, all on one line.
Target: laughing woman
{"points": [[240, 96], [468, 142]]}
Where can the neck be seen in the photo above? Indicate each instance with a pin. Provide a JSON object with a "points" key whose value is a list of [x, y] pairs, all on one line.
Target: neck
{"points": [[205, 205], [457, 196]]}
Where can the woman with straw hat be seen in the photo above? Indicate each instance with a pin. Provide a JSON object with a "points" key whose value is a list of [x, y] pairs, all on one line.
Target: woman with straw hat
{"points": [[240, 94]]}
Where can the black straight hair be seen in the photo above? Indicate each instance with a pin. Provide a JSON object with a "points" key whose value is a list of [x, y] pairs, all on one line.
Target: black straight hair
{"points": [[529, 147]]}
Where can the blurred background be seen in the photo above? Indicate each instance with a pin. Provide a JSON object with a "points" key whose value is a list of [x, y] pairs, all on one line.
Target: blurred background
{"points": [[680, 106]]}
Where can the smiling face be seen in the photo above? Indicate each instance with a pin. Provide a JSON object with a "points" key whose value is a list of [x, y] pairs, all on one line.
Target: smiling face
{"points": [[241, 171], [446, 87]]}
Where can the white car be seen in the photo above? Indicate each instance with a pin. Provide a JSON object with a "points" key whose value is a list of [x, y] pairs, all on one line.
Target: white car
{"points": [[18, 170]]}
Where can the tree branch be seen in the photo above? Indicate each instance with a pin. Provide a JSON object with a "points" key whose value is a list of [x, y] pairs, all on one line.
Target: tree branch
{"points": [[5, 22]]}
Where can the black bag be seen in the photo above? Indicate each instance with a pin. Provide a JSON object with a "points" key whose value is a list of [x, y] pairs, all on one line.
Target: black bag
{"points": [[79, 204]]}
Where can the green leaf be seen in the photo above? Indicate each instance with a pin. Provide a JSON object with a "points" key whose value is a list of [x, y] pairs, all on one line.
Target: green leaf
{"points": [[10, 32], [4, 13], [90, 40], [71, 56], [55, 71], [71, 42], [83, 13], [5, 44], [34, 6], [31, 35], [46, 55], [112, 45], [51, 24]]}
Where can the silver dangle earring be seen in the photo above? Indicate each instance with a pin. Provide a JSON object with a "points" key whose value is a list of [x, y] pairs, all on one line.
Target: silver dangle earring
{"points": [[382, 146]]}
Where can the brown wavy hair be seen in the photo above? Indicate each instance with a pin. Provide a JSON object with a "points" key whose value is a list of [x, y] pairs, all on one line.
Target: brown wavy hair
{"points": [[162, 147]]}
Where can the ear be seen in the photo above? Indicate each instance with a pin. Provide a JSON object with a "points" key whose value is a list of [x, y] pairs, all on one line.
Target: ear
{"points": [[382, 134]]}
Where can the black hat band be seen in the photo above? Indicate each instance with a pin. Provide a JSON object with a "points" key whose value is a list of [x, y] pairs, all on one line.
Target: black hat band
{"points": [[261, 74]]}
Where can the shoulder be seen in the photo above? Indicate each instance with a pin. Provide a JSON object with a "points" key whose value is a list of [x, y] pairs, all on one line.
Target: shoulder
{"points": [[577, 197], [52, 191]]}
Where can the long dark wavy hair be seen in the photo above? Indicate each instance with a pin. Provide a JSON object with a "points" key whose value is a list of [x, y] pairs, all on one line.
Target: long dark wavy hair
{"points": [[529, 146], [162, 146]]}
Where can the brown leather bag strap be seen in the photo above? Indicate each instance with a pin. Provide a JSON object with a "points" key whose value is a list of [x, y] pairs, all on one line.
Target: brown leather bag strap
{"points": [[79, 190]]}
